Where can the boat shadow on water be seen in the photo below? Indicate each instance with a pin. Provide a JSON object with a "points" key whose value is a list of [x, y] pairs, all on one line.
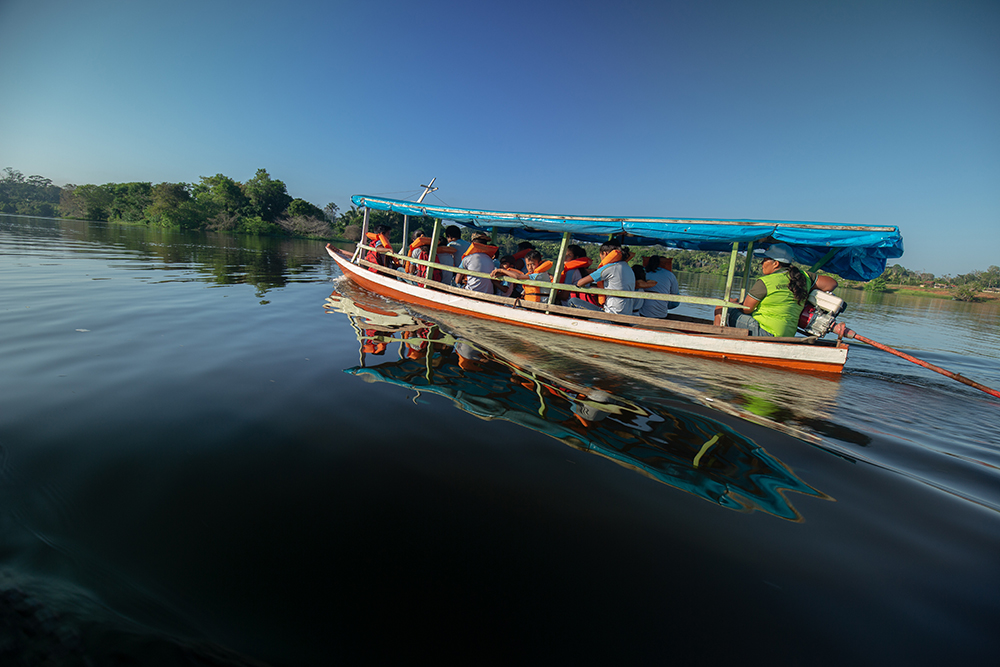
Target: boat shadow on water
{"points": [[668, 436]]}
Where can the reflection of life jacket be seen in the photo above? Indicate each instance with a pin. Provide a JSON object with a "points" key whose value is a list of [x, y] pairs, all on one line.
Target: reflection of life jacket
{"points": [[424, 243], [417, 349], [370, 346], [488, 250], [533, 292], [378, 241]]}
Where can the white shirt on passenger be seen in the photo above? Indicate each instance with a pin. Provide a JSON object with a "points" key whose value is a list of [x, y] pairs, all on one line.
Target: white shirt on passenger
{"points": [[484, 264], [666, 283], [616, 276]]}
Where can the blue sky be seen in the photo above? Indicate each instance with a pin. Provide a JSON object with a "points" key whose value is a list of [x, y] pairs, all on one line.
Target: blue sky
{"points": [[866, 112]]}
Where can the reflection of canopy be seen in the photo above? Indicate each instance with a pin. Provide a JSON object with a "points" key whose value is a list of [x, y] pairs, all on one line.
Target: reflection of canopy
{"points": [[862, 249], [682, 448]]}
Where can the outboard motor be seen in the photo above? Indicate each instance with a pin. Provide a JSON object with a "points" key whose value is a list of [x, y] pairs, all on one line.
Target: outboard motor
{"points": [[820, 312]]}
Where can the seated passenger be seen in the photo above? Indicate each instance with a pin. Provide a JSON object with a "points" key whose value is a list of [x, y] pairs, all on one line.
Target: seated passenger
{"points": [[421, 249], [641, 285], [616, 274], [664, 282], [575, 262], [414, 250], [505, 288], [479, 258], [774, 303], [379, 239], [455, 240], [523, 248], [535, 269]]}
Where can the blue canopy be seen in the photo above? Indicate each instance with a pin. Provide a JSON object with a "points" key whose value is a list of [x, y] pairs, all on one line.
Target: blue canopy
{"points": [[861, 250]]}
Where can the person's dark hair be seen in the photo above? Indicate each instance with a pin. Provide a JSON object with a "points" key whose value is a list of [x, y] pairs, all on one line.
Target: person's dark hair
{"points": [[452, 232], [609, 246], [383, 229], [525, 245], [534, 256], [640, 273], [417, 234], [578, 252], [481, 238], [653, 263], [797, 283], [508, 260]]}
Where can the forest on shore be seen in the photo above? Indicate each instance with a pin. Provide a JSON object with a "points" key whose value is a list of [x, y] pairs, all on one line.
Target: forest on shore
{"points": [[262, 206]]}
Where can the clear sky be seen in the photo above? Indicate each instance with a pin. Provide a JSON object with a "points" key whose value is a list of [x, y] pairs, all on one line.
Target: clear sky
{"points": [[868, 112]]}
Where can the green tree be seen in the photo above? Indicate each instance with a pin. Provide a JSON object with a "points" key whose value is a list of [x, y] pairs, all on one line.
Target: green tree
{"points": [[268, 197], [129, 201], [93, 201], [172, 206], [331, 211], [302, 208], [220, 194]]}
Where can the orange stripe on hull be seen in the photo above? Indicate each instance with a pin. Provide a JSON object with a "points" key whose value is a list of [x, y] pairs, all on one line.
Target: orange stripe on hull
{"points": [[788, 364]]}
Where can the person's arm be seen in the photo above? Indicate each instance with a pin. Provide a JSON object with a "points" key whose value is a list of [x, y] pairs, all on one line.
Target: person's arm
{"points": [[586, 280], [826, 283], [749, 303], [645, 284], [510, 273]]}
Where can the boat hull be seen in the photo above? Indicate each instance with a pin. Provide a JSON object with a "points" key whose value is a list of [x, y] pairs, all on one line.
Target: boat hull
{"points": [[793, 356]]}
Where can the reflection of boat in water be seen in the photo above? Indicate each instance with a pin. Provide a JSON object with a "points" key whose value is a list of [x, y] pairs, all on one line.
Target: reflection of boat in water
{"points": [[679, 443]]}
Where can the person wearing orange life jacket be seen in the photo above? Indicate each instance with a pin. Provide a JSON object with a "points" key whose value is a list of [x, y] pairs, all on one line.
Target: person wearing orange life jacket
{"points": [[616, 274], [479, 258], [414, 251], [420, 249], [535, 269], [575, 263], [523, 248], [379, 239]]}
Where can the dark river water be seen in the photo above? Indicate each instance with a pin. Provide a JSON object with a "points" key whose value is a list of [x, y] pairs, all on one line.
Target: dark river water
{"points": [[214, 450]]}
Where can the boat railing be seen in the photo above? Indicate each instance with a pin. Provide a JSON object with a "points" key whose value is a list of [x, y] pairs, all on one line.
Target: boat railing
{"points": [[559, 287], [667, 324]]}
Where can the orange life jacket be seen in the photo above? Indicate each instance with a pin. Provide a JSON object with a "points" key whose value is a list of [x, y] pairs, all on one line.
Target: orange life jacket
{"points": [[379, 241], [488, 250], [533, 292], [615, 255], [424, 242], [581, 263]]}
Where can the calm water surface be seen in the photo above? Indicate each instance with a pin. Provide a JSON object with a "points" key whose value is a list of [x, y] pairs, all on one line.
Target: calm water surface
{"points": [[214, 450]]}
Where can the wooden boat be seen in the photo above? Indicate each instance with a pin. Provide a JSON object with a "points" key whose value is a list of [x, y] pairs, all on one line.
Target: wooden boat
{"points": [[850, 251]]}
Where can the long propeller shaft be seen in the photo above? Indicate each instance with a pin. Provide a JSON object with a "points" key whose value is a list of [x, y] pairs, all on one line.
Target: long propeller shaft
{"points": [[842, 330]]}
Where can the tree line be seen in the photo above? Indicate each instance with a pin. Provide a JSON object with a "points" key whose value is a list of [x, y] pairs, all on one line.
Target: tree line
{"points": [[260, 206]]}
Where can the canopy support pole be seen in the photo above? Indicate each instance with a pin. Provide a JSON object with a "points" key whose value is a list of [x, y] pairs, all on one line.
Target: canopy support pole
{"points": [[435, 237], [493, 236], [746, 271], [823, 260], [364, 238], [729, 279], [560, 262], [406, 236]]}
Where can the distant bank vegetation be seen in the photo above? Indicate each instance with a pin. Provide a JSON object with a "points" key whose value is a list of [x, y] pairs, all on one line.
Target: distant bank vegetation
{"points": [[262, 206]]}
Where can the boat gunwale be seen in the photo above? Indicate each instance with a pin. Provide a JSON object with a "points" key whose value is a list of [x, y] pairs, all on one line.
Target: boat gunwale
{"points": [[822, 356]]}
